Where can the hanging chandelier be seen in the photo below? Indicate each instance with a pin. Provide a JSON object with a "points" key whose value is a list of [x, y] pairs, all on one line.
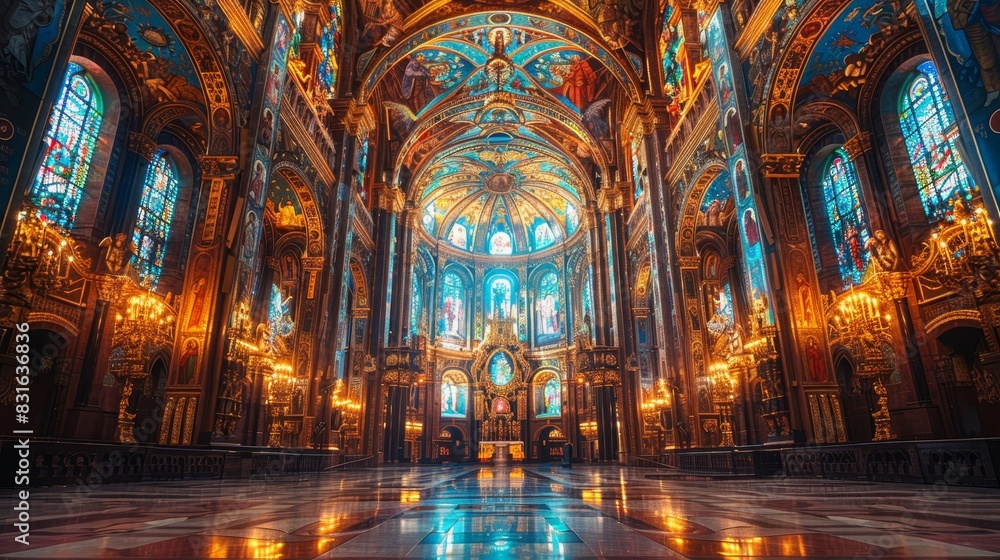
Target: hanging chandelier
{"points": [[38, 260]]}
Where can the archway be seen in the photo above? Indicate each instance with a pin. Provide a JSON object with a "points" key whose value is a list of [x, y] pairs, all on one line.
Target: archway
{"points": [[968, 386], [149, 404], [548, 444], [857, 403]]}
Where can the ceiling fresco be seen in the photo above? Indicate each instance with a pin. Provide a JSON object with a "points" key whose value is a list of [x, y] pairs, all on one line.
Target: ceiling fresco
{"points": [[500, 121], [156, 53], [840, 60]]}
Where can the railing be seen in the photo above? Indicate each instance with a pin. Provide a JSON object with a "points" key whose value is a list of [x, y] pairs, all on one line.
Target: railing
{"points": [[635, 461], [365, 462]]}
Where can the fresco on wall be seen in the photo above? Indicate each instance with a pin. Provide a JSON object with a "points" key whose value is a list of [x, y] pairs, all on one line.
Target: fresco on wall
{"points": [[840, 60], [328, 69], [717, 201], [263, 144], [673, 59], [966, 38], [282, 206], [755, 275]]}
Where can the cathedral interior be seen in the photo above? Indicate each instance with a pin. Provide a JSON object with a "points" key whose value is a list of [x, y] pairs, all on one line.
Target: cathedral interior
{"points": [[431, 255]]}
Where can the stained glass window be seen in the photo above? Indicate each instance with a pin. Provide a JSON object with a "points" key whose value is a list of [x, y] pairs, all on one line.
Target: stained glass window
{"points": [[547, 307], [454, 395], [548, 396], [543, 236], [329, 45], [501, 369], [279, 319], [931, 137], [458, 236], [70, 141], [416, 303], [451, 320], [587, 299], [156, 213], [842, 196], [671, 44], [501, 291], [500, 244]]}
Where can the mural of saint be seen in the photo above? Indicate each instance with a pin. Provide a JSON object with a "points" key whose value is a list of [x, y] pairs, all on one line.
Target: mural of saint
{"points": [[579, 82], [547, 305], [451, 321], [980, 20], [750, 228], [417, 83], [189, 362]]}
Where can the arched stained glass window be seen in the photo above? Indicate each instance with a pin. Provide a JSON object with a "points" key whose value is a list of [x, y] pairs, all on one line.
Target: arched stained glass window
{"points": [[842, 197], [500, 296], [500, 244], [454, 395], [416, 303], [543, 236], [587, 298], [156, 213], [70, 142], [451, 316], [547, 308], [329, 44], [931, 137], [548, 396]]}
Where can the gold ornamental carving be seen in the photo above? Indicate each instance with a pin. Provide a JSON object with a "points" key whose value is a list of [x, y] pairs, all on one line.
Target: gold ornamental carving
{"points": [[858, 145], [781, 165], [218, 167]]}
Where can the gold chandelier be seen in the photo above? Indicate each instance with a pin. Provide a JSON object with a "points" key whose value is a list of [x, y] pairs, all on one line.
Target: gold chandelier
{"points": [[967, 251], [38, 260], [143, 326], [723, 396], [862, 324]]}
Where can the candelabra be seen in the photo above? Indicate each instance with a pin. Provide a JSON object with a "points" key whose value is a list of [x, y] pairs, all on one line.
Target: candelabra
{"points": [[281, 384], [655, 405], [144, 325], [38, 260], [963, 254], [723, 396], [862, 324]]}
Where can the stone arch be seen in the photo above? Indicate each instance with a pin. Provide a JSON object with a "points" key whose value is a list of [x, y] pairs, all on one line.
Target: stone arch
{"points": [[691, 204], [310, 208]]}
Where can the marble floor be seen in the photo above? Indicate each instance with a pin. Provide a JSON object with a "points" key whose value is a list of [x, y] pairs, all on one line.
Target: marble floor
{"points": [[509, 512]]}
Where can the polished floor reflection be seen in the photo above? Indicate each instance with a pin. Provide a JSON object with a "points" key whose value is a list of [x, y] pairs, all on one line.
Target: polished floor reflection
{"points": [[512, 512]]}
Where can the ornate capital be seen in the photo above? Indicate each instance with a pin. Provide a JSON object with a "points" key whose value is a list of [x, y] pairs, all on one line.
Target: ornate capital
{"points": [[613, 198], [360, 117], [272, 263], [218, 167], [401, 366], [141, 144], [781, 165], [390, 199], [313, 263], [858, 145]]}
